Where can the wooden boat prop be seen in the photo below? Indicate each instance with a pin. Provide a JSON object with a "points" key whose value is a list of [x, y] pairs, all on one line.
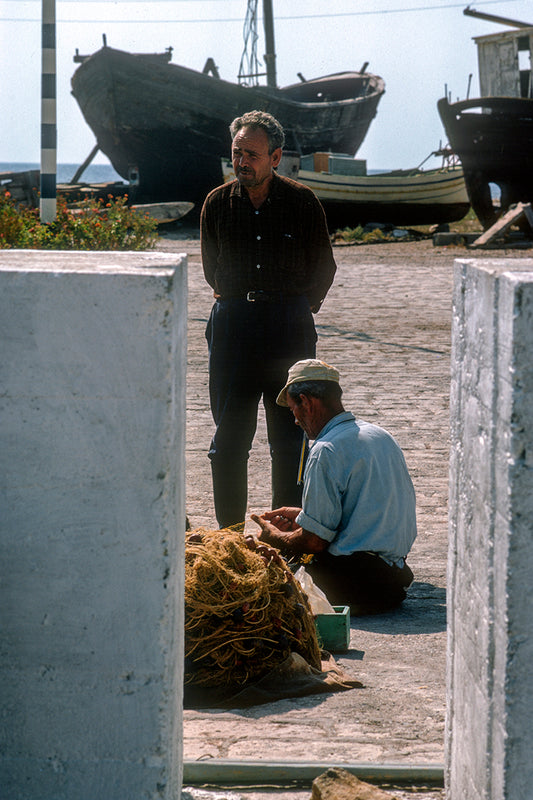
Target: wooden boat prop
{"points": [[351, 197], [493, 134], [168, 124]]}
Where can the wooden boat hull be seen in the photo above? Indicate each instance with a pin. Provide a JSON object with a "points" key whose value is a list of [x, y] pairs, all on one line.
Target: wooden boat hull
{"points": [[493, 137], [412, 198], [170, 123], [402, 197]]}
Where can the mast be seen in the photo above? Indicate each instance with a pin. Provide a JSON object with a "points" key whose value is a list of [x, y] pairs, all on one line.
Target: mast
{"points": [[270, 55], [249, 66]]}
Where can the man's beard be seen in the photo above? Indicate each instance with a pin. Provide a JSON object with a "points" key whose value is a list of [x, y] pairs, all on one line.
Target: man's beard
{"points": [[247, 178]]}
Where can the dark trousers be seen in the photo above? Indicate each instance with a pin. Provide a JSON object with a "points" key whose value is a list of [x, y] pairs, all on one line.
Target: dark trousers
{"points": [[364, 581], [251, 347]]}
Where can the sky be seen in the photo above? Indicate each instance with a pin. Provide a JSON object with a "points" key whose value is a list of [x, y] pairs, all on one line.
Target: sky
{"points": [[421, 48]]}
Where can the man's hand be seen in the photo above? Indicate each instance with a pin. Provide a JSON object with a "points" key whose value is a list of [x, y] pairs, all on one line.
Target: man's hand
{"points": [[282, 518], [270, 531], [279, 529], [276, 536]]}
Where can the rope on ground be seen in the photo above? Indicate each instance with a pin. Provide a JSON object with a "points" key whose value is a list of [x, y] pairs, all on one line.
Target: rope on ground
{"points": [[244, 611]]}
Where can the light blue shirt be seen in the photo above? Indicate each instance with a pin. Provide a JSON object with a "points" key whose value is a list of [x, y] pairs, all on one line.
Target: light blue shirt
{"points": [[358, 494]]}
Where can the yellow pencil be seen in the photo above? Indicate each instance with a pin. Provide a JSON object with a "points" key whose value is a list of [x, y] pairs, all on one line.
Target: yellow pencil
{"points": [[302, 459]]}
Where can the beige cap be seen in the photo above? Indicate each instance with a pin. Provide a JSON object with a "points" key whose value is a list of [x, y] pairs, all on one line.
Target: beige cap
{"points": [[310, 369]]}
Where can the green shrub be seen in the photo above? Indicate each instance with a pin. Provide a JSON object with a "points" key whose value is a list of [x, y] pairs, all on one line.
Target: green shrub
{"points": [[14, 222], [362, 236], [351, 234], [93, 225]]}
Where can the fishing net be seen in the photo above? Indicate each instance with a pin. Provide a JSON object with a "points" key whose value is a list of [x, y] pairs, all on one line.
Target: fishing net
{"points": [[244, 611]]}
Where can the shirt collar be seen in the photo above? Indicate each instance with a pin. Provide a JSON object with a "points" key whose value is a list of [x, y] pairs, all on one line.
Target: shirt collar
{"points": [[344, 416]]}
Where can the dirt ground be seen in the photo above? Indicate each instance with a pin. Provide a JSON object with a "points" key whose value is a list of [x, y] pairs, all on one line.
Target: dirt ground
{"points": [[386, 326]]}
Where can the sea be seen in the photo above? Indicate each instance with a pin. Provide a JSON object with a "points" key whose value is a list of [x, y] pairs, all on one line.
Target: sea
{"points": [[95, 173]]}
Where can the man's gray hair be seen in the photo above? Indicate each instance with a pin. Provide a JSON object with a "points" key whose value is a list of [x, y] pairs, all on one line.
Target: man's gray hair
{"points": [[327, 391], [260, 120]]}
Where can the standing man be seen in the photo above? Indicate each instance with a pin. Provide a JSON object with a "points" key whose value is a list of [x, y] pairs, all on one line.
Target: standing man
{"points": [[267, 255], [358, 517]]}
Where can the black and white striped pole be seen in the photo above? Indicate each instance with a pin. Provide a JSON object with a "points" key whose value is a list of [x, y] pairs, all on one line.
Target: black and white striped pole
{"points": [[48, 202]]}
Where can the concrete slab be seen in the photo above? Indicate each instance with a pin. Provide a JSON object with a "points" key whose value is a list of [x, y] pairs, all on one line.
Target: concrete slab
{"points": [[93, 514]]}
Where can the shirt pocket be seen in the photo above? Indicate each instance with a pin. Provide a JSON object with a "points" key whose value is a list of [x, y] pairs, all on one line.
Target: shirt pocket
{"points": [[291, 253]]}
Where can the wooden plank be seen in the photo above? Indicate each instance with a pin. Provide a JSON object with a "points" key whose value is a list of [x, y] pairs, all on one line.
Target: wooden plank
{"points": [[528, 211], [161, 212], [164, 212], [511, 216], [81, 169]]}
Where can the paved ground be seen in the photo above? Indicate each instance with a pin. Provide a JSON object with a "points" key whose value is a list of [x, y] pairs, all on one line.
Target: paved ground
{"points": [[386, 326]]}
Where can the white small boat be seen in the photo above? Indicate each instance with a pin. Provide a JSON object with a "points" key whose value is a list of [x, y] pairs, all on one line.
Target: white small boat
{"points": [[351, 197]]}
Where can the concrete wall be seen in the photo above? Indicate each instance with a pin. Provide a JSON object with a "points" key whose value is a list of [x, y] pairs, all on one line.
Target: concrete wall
{"points": [[489, 734], [92, 407]]}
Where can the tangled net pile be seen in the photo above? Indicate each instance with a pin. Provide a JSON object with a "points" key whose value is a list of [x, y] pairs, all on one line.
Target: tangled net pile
{"points": [[244, 612]]}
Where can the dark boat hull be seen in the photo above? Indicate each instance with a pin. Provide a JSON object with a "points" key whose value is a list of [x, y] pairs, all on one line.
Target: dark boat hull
{"points": [[345, 215], [170, 123], [493, 137]]}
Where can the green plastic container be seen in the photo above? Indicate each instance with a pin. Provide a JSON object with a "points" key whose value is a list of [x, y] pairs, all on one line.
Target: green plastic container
{"points": [[334, 629]]}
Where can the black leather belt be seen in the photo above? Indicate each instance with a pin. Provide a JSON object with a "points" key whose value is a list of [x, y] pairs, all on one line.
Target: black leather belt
{"points": [[259, 296], [263, 297]]}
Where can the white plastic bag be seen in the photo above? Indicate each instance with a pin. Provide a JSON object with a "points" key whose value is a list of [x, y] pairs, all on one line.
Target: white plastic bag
{"points": [[317, 599]]}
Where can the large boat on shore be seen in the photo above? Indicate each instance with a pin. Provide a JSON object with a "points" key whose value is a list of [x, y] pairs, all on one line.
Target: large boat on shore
{"points": [[493, 133], [164, 127]]}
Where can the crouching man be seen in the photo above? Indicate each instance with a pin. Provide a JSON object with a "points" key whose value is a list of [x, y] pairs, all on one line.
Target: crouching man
{"points": [[358, 517]]}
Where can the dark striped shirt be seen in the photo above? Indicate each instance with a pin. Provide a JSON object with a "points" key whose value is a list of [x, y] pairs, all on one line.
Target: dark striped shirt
{"points": [[283, 246]]}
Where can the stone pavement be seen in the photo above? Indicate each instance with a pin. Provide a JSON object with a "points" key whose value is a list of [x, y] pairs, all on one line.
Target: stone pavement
{"points": [[386, 326]]}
